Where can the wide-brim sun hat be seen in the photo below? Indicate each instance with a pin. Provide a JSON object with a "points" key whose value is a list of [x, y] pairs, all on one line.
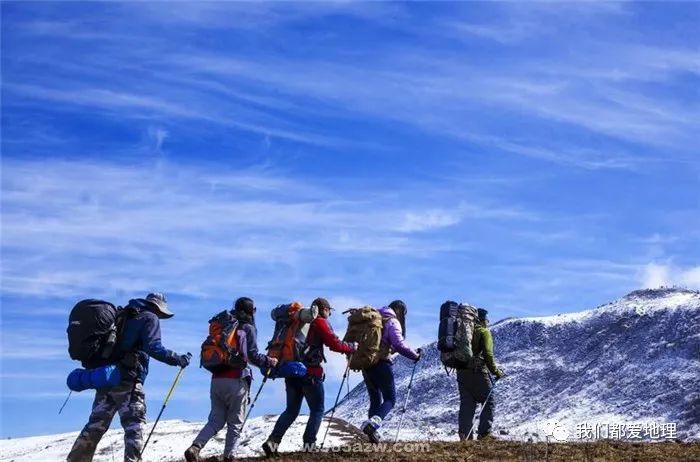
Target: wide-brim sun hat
{"points": [[159, 301]]}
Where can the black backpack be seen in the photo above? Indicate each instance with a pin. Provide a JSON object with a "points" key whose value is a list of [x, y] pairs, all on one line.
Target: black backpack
{"points": [[93, 330]]}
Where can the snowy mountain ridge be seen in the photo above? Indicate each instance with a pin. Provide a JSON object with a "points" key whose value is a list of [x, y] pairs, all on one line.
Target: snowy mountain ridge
{"points": [[639, 301], [634, 360]]}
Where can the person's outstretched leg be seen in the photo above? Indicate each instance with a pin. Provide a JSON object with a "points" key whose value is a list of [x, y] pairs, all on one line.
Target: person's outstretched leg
{"points": [[132, 413], [237, 399], [315, 396], [215, 422], [467, 403], [375, 396], [295, 396], [487, 406], [387, 387], [103, 410]]}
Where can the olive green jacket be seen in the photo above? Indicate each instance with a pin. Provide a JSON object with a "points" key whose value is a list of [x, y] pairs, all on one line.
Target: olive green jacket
{"points": [[482, 347]]}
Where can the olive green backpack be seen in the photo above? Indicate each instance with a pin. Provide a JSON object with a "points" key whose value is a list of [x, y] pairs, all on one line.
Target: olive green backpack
{"points": [[364, 327]]}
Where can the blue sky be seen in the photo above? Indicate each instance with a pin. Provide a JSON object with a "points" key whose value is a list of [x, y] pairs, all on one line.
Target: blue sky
{"points": [[529, 158]]}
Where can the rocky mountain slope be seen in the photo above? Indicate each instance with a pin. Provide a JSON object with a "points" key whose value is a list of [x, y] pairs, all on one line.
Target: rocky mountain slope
{"points": [[632, 361]]}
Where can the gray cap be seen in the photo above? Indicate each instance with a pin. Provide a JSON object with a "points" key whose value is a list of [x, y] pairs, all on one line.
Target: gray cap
{"points": [[158, 300]]}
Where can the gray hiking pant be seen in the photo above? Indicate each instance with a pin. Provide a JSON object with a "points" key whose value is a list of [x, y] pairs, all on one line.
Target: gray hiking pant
{"points": [[474, 387], [229, 401], [128, 399]]}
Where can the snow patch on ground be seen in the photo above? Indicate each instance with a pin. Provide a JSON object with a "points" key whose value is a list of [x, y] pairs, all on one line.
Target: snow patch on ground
{"points": [[169, 441]]}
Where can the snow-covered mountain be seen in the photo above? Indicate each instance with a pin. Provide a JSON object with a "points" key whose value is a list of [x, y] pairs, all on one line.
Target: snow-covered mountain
{"points": [[635, 360], [169, 441]]}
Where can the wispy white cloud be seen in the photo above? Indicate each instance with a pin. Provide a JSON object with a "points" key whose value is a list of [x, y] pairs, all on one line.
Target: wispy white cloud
{"points": [[444, 92], [655, 275], [513, 22], [135, 104], [430, 219], [228, 15], [440, 94], [38, 344], [180, 223], [157, 135]]}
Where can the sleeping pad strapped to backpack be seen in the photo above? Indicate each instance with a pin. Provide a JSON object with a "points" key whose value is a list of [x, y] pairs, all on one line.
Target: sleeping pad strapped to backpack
{"points": [[94, 328], [288, 340]]}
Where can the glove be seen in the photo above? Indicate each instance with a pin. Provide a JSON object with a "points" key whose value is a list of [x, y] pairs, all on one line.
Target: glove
{"points": [[353, 347], [420, 353], [184, 360], [500, 374]]}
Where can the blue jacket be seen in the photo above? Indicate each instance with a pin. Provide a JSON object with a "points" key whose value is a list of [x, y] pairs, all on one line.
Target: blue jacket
{"points": [[140, 340]]}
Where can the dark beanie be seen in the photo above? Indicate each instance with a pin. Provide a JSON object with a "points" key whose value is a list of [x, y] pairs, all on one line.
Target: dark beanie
{"points": [[245, 305], [321, 302], [398, 305], [483, 314]]}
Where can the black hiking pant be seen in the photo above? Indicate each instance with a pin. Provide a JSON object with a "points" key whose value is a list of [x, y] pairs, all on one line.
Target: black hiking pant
{"points": [[475, 387]]}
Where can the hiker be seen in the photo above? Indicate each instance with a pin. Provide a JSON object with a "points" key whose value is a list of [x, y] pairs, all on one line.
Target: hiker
{"points": [[139, 341], [379, 378], [230, 383], [475, 382], [309, 387]]}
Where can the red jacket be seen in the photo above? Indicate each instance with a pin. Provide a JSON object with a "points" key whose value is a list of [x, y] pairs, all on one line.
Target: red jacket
{"points": [[227, 373], [320, 334]]}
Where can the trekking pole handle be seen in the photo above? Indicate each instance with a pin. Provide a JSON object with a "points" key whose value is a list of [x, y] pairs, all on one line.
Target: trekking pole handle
{"points": [[252, 404], [177, 379]]}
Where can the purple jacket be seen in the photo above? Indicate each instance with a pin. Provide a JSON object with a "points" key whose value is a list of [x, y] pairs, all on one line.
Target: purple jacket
{"points": [[392, 337]]}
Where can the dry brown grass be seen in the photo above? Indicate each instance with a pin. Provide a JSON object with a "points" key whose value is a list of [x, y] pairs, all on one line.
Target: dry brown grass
{"points": [[510, 451]]}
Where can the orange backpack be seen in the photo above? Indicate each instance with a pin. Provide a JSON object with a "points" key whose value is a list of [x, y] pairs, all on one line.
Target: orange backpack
{"points": [[220, 349], [288, 339]]}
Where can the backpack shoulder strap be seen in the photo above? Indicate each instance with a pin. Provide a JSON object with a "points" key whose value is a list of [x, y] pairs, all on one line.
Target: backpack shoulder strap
{"points": [[123, 315]]}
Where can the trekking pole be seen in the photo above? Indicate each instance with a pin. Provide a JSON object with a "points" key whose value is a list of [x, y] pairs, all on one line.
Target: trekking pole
{"points": [[405, 403], [493, 385], [65, 402], [340, 390], [252, 405], [165, 403]]}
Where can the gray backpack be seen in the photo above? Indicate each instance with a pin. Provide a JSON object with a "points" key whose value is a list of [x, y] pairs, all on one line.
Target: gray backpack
{"points": [[455, 334]]}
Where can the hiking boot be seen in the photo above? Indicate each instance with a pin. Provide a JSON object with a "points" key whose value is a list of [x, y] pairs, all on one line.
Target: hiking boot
{"points": [[309, 447], [192, 453], [370, 428], [270, 448], [231, 459], [486, 437]]}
